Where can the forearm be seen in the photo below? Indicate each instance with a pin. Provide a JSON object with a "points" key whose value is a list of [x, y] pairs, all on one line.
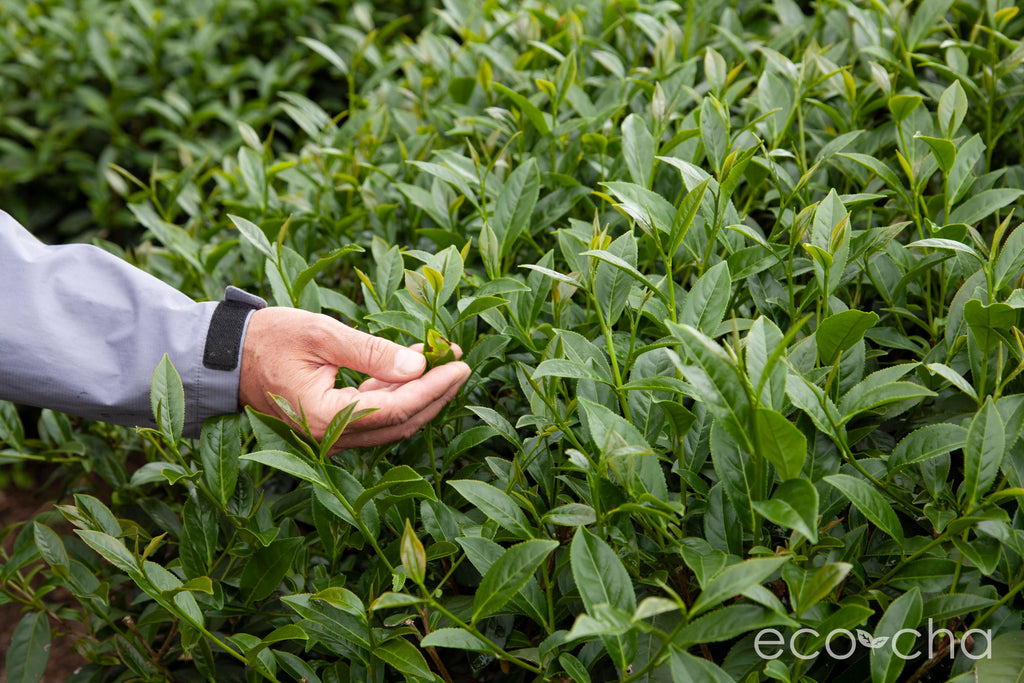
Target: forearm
{"points": [[81, 332]]}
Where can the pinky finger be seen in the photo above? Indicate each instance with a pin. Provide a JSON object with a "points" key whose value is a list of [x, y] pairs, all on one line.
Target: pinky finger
{"points": [[398, 432]]}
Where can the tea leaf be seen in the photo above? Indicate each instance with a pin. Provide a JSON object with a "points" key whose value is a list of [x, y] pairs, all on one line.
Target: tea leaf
{"points": [[322, 263], [574, 668], [414, 557], [926, 443], [716, 380], [794, 505], [29, 650], [404, 656], [326, 52], [402, 481], [707, 301], [265, 569], [685, 667], [621, 264], [286, 462], [600, 575], [495, 504], [571, 514], [326, 622], [943, 149], [902, 106], [983, 204], [877, 390], [735, 579], [498, 423], [952, 103], [1007, 660], [989, 323], [983, 453], [820, 584], [714, 130], [1011, 259], [838, 333], [736, 471], [255, 236], [454, 638], [560, 367], [763, 342], [951, 245], [167, 400], [438, 350], [219, 451], [515, 205], [830, 234], [535, 115], [903, 614], [508, 575], [611, 283], [731, 621], [870, 503], [954, 377], [51, 548], [781, 443], [638, 149], [110, 549]]}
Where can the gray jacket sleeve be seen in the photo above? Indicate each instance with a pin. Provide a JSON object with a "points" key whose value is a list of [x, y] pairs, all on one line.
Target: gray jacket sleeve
{"points": [[81, 332]]}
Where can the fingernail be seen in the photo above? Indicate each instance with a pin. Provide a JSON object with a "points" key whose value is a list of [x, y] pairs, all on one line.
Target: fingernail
{"points": [[408, 362]]}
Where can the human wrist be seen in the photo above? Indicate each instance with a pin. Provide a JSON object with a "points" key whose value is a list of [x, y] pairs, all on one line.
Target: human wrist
{"points": [[249, 389]]}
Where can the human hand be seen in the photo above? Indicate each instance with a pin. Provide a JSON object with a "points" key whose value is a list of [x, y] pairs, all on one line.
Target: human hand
{"points": [[295, 354]]}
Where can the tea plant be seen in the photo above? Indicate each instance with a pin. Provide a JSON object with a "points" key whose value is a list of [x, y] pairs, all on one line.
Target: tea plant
{"points": [[740, 284]]}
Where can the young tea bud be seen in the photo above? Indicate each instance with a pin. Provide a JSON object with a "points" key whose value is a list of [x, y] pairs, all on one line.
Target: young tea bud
{"points": [[414, 557], [438, 350]]}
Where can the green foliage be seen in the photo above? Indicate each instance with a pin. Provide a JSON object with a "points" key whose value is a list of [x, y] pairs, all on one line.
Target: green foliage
{"points": [[740, 286]]}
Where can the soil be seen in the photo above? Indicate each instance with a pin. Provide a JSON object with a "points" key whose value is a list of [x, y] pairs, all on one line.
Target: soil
{"points": [[19, 505]]}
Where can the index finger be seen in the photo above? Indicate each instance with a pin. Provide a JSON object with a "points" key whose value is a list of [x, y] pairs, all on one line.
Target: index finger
{"points": [[374, 384]]}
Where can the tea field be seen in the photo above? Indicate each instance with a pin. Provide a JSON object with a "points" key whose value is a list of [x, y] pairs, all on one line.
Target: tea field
{"points": [[740, 282]]}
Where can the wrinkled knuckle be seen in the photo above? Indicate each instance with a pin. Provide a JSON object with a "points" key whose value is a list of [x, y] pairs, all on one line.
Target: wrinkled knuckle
{"points": [[400, 417], [377, 351], [317, 336], [407, 430]]}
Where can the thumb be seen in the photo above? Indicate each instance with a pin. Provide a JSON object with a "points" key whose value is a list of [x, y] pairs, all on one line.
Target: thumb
{"points": [[375, 356]]}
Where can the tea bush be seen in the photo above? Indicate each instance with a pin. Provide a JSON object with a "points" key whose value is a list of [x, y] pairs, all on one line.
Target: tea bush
{"points": [[740, 285], [89, 92]]}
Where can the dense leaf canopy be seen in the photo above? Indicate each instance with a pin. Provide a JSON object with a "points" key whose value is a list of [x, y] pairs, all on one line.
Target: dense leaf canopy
{"points": [[740, 285]]}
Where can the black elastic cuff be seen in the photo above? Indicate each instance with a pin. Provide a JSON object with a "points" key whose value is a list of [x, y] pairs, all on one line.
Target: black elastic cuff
{"points": [[224, 339]]}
